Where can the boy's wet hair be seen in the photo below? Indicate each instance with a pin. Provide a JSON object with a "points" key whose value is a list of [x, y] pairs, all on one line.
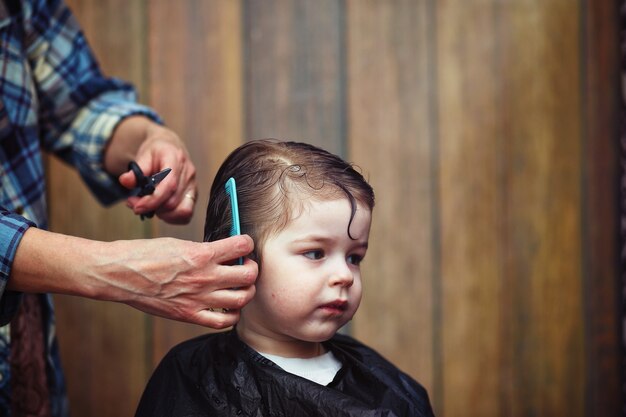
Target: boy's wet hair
{"points": [[274, 179]]}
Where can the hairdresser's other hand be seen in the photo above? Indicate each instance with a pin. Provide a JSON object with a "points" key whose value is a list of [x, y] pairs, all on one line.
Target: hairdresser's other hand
{"points": [[167, 277], [174, 198], [183, 280]]}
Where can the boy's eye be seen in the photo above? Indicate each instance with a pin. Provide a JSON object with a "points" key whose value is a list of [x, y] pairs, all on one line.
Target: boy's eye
{"points": [[355, 259], [314, 254]]}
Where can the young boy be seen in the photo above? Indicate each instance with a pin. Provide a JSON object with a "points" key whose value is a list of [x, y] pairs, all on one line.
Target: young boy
{"points": [[309, 214]]}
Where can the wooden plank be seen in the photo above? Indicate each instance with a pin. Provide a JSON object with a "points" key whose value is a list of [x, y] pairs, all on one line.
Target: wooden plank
{"points": [[543, 267], [102, 344], [602, 289], [469, 164], [293, 71], [391, 132], [511, 208], [196, 85], [510, 195]]}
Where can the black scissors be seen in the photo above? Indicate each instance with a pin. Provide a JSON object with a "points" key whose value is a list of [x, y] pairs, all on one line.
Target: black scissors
{"points": [[146, 184]]}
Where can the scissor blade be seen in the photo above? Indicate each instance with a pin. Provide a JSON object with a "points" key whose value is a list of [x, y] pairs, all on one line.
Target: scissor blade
{"points": [[159, 176]]}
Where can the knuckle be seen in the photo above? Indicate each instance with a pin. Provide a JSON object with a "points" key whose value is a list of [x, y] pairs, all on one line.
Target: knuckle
{"points": [[201, 256], [170, 202], [241, 301], [191, 171], [167, 188], [221, 323], [250, 276], [185, 212], [182, 158], [244, 297], [209, 253]]}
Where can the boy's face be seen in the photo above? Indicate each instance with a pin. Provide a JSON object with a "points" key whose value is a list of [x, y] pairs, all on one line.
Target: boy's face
{"points": [[310, 280]]}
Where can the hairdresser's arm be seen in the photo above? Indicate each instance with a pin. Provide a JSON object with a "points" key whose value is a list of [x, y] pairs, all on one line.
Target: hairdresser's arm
{"points": [[154, 148], [166, 277]]}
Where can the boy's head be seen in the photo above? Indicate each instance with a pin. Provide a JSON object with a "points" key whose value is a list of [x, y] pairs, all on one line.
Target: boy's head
{"points": [[274, 178], [309, 214]]}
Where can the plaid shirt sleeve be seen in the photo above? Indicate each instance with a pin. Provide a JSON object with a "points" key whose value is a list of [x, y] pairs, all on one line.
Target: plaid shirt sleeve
{"points": [[52, 97], [12, 228], [79, 107]]}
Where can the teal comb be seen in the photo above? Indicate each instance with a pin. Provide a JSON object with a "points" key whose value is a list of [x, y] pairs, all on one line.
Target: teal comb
{"points": [[235, 228]]}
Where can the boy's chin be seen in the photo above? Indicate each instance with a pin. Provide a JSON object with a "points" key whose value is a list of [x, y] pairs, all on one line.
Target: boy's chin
{"points": [[324, 335]]}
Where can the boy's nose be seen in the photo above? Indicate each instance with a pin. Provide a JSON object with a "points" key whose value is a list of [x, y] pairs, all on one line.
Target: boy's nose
{"points": [[342, 275]]}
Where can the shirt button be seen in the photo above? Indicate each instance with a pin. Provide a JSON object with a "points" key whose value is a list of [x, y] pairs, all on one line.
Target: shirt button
{"points": [[19, 210]]}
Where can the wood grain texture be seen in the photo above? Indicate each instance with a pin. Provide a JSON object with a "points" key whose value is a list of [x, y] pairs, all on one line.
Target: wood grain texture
{"points": [[293, 69], [543, 269], [470, 170], [196, 84], [510, 197], [391, 133], [488, 130], [601, 284], [102, 345]]}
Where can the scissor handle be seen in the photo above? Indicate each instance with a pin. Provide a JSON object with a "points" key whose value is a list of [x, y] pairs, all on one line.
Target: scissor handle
{"points": [[144, 185], [141, 179]]}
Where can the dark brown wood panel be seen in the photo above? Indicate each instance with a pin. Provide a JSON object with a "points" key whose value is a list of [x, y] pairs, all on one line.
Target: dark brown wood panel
{"points": [[391, 132], [102, 345], [196, 85], [293, 69], [602, 286]]}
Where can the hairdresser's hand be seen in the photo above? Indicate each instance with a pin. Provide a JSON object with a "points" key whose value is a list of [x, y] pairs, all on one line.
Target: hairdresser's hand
{"points": [[167, 277], [183, 280], [154, 148]]}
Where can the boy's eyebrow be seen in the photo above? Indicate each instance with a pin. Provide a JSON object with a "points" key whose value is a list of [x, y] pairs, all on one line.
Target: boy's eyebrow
{"points": [[324, 239], [313, 238]]}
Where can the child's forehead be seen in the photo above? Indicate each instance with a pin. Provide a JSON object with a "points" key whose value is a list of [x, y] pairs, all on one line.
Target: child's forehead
{"points": [[314, 206], [303, 202], [299, 202]]}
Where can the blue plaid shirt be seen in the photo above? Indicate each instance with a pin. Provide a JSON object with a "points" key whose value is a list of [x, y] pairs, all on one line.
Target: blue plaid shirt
{"points": [[53, 98]]}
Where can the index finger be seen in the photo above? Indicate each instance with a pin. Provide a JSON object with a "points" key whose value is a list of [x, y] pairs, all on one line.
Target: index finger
{"points": [[231, 248]]}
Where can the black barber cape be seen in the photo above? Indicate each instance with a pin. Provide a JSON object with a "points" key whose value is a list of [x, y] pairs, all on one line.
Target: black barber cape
{"points": [[219, 375]]}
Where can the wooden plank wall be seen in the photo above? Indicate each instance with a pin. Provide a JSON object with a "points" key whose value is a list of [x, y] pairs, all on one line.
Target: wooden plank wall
{"points": [[489, 132], [601, 174], [103, 345]]}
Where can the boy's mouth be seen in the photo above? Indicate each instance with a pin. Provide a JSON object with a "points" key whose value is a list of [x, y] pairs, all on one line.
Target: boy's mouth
{"points": [[337, 305]]}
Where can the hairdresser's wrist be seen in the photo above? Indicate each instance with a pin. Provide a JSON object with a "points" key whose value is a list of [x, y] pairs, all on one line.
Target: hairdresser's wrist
{"points": [[47, 262], [127, 138]]}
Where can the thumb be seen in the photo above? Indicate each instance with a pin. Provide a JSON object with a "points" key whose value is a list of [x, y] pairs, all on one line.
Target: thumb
{"points": [[128, 179]]}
